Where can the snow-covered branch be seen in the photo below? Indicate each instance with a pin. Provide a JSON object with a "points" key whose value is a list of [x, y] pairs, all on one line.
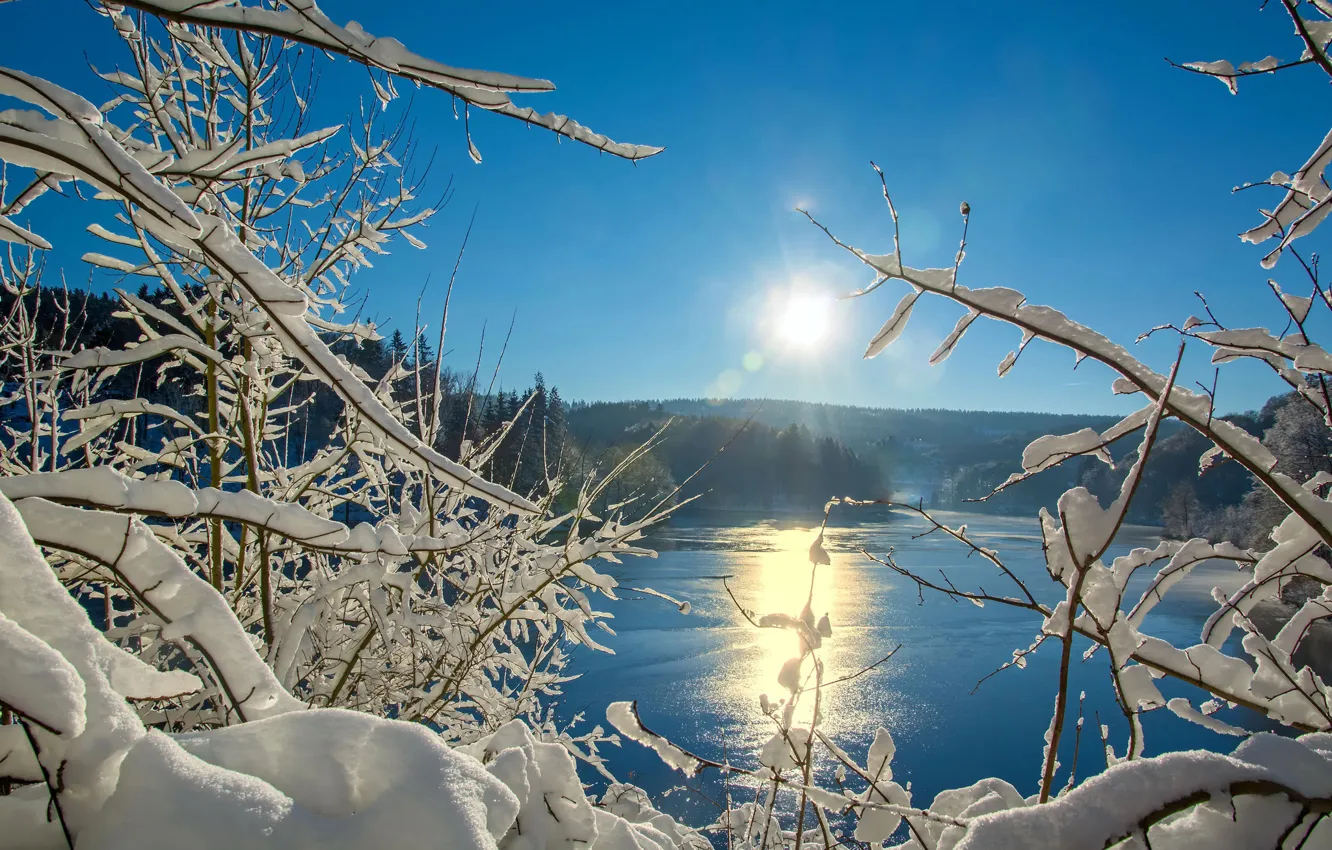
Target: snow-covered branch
{"points": [[302, 21]]}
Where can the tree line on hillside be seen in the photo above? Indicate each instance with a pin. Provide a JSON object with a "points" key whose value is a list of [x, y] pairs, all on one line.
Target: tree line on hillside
{"points": [[952, 430], [762, 467], [1225, 502], [758, 467], [962, 456], [937, 456], [1181, 491]]}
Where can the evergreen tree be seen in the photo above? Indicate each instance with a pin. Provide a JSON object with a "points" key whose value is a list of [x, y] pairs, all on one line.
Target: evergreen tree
{"points": [[535, 445], [398, 347], [373, 356], [555, 412], [422, 354]]}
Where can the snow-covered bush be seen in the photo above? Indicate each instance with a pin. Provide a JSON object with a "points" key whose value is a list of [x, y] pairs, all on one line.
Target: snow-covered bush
{"points": [[1272, 791], [291, 776], [178, 657]]}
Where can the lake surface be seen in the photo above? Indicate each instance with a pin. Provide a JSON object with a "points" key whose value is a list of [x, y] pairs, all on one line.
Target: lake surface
{"points": [[698, 677]]}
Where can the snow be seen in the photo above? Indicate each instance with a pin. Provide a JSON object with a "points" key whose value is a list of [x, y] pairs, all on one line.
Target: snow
{"points": [[896, 323], [26, 825], [1108, 806], [130, 677], [818, 555], [1139, 690], [17, 760], [100, 160], [1240, 823], [32, 599], [303, 21], [102, 358], [809, 636], [322, 778], [202, 806], [624, 717], [789, 676], [104, 487], [1297, 305], [1045, 452], [1302, 226], [1009, 306], [107, 488], [682, 604], [12, 232], [1289, 209], [38, 683], [285, 307], [824, 627], [1320, 608], [954, 337], [81, 146], [229, 164], [1290, 695], [1210, 458], [1261, 66], [954, 808], [881, 754], [1183, 558], [1221, 69], [187, 605], [566, 126], [1181, 707], [48, 96], [876, 824], [317, 779], [1293, 554], [306, 23]]}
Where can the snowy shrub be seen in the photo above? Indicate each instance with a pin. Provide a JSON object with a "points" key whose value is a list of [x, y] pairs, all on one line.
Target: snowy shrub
{"points": [[1272, 791], [290, 777], [179, 655]]}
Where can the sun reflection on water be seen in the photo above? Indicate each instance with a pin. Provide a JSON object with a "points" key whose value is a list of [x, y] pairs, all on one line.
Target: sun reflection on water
{"points": [[768, 572], [783, 586]]}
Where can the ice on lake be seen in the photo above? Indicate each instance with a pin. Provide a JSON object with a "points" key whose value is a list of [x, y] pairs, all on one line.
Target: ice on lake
{"points": [[698, 677]]}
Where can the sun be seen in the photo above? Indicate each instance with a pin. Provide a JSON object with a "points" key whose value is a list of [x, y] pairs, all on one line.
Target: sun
{"points": [[800, 319]]}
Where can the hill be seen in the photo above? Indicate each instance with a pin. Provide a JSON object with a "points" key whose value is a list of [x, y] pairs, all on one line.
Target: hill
{"points": [[740, 464], [927, 454]]}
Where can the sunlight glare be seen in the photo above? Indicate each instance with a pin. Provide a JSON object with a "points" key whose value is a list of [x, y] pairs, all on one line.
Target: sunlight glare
{"points": [[784, 588], [800, 319]]}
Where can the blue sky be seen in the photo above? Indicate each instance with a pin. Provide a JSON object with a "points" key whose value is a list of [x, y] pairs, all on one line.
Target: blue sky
{"points": [[1099, 179]]}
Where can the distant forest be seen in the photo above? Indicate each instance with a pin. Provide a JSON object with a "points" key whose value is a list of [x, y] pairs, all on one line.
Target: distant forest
{"points": [[949, 459], [761, 467], [940, 458], [734, 463], [746, 454]]}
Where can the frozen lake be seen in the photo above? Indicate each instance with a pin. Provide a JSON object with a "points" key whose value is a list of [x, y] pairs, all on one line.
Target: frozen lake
{"points": [[698, 677]]}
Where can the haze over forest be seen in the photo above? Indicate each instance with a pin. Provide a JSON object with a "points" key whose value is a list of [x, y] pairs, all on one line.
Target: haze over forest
{"points": [[947, 458]]}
